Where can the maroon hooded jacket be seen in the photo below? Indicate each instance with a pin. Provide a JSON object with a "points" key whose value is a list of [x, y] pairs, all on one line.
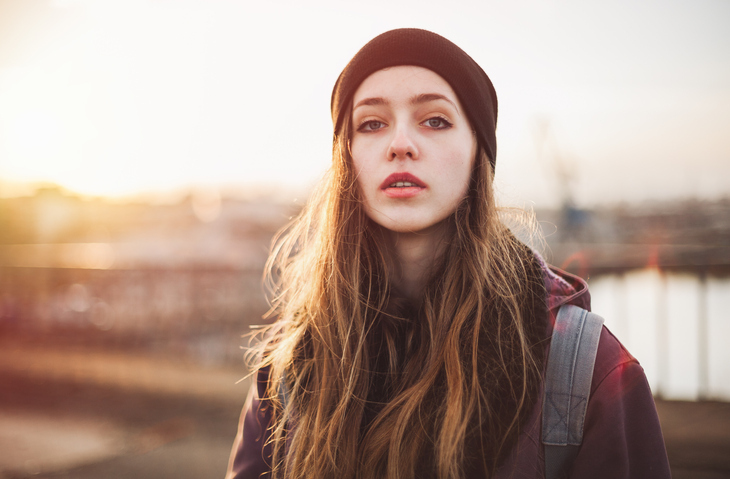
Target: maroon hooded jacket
{"points": [[622, 437]]}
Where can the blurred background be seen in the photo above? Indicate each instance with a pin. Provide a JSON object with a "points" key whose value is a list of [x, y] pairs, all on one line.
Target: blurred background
{"points": [[150, 149]]}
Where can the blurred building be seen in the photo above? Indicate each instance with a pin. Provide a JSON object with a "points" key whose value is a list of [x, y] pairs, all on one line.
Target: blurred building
{"points": [[186, 278], [183, 275]]}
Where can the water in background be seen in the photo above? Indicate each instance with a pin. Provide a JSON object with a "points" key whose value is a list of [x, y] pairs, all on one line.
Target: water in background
{"points": [[675, 324]]}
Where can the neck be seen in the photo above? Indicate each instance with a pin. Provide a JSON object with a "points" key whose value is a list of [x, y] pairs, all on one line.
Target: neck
{"points": [[414, 255]]}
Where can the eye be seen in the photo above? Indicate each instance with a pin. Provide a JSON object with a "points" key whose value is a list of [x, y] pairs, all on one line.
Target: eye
{"points": [[370, 125], [437, 123]]}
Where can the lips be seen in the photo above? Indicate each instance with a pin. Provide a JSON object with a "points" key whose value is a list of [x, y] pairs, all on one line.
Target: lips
{"points": [[402, 180], [400, 186]]}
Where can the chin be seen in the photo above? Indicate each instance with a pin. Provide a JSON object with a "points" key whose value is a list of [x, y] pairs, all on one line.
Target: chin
{"points": [[409, 225]]}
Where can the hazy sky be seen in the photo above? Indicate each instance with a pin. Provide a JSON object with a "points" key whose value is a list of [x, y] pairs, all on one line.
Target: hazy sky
{"points": [[117, 97]]}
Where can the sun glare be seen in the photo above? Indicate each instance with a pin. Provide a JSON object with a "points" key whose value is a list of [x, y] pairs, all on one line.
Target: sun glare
{"points": [[96, 108], [118, 97]]}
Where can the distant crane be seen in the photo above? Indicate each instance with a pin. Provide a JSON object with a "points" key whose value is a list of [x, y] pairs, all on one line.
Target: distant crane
{"points": [[564, 170]]}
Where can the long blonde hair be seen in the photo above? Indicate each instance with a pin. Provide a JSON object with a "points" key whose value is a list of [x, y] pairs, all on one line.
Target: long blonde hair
{"points": [[378, 390]]}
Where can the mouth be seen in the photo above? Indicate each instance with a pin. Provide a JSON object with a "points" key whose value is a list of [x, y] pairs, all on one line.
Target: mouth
{"points": [[402, 180]]}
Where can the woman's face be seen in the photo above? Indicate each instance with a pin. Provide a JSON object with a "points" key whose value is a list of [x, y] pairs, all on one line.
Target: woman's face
{"points": [[412, 148]]}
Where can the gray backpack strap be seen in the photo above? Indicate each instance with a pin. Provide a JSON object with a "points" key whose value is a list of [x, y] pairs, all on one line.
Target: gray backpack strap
{"points": [[567, 386]]}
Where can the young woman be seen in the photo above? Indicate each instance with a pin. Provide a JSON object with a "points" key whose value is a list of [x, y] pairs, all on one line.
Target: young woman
{"points": [[412, 325]]}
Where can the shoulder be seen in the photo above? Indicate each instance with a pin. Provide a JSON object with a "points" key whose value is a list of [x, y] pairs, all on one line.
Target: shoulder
{"points": [[612, 358], [622, 434], [251, 454]]}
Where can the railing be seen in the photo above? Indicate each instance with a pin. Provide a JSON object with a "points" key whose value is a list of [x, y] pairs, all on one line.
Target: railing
{"points": [[677, 324]]}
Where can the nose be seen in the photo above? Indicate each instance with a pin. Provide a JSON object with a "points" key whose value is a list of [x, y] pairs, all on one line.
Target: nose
{"points": [[402, 146]]}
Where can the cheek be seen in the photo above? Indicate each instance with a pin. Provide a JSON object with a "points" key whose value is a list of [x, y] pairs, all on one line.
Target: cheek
{"points": [[460, 170], [469, 162], [366, 167], [359, 159], [363, 179], [361, 170]]}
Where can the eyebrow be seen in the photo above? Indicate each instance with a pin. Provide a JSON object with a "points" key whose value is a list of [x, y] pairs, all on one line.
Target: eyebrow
{"points": [[427, 97], [375, 101], [416, 100]]}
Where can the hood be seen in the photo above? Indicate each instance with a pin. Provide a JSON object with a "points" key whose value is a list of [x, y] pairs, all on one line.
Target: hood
{"points": [[563, 288]]}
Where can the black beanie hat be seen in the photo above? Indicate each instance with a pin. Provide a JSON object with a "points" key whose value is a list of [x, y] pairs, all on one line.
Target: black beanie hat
{"points": [[412, 46]]}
